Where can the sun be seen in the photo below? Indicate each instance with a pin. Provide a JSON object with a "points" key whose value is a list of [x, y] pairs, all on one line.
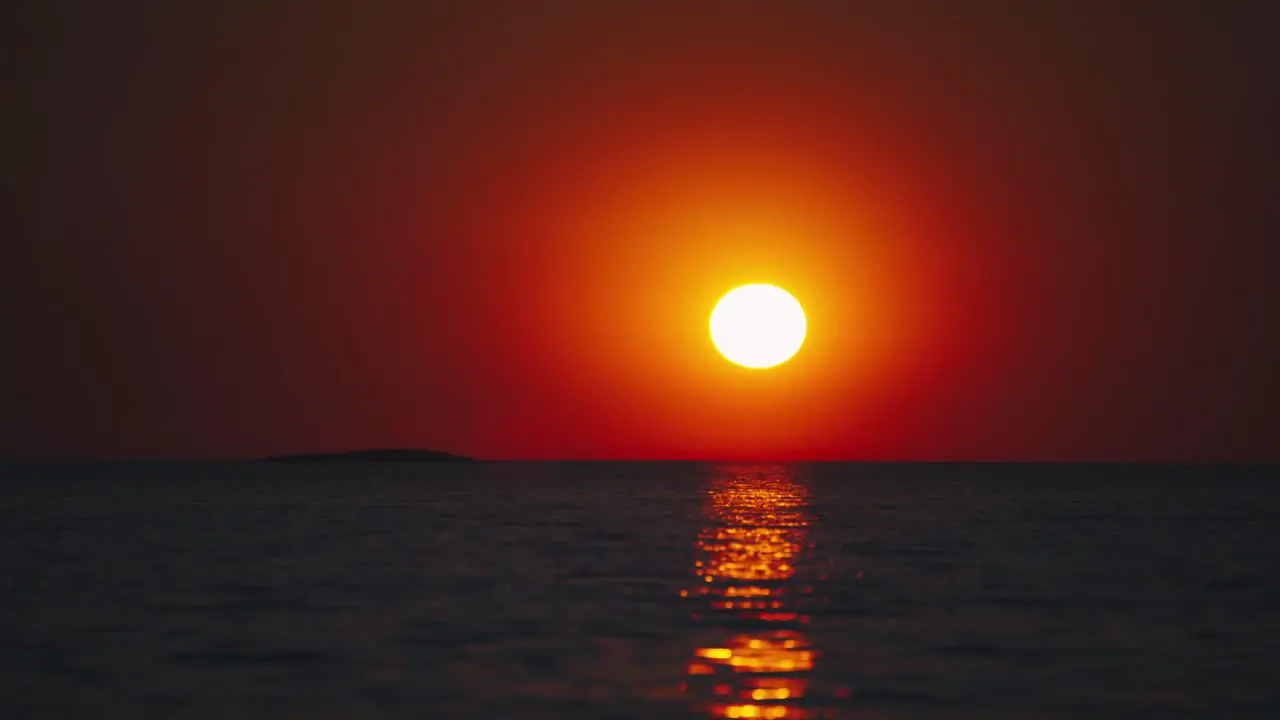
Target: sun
{"points": [[758, 326]]}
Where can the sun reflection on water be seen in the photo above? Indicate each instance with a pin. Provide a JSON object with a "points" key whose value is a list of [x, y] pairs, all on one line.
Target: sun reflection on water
{"points": [[751, 587]]}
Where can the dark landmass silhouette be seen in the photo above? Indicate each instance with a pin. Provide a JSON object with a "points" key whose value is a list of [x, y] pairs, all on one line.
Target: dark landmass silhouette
{"points": [[370, 456]]}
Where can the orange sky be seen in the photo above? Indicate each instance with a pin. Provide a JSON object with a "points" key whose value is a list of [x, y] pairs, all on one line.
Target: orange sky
{"points": [[499, 229], [649, 227]]}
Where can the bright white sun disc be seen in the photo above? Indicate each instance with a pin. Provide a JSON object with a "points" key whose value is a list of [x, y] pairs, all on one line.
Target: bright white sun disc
{"points": [[758, 326]]}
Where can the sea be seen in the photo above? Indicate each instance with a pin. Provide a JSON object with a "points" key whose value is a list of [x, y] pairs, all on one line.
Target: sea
{"points": [[638, 590]]}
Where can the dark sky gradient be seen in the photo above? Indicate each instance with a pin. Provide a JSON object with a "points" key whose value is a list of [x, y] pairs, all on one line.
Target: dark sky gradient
{"points": [[1022, 230]]}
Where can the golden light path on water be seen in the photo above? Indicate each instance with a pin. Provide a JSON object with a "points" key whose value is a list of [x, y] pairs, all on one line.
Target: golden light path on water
{"points": [[748, 589]]}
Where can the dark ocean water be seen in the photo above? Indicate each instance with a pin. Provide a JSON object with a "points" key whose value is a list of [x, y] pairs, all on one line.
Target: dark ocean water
{"points": [[638, 590]]}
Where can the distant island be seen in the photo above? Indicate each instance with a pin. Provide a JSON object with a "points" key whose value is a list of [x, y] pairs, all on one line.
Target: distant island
{"points": [[371, 456]]}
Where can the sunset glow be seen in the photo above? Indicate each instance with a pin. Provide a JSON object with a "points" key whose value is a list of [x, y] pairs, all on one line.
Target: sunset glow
{"points": [[498, 231]]}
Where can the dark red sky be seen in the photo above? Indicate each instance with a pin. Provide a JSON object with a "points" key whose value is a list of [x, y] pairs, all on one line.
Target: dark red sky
{"points": [[1025, 231]]}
